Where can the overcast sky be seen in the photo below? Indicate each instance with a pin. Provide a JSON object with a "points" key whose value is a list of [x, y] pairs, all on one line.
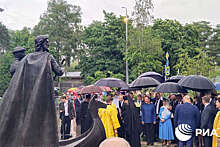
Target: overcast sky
{"points": [[20, 13]]}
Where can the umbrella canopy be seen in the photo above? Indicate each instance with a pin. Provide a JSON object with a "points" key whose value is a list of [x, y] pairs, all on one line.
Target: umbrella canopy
{"points": [[217, 85], [170, 87], [196, 83], [111, 82], [175, 78], [105, 88], [144, 82], [154, 75], [90, 89]]}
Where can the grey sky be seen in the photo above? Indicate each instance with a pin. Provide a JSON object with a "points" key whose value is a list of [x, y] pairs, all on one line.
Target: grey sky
{"points": [[20, 13]]}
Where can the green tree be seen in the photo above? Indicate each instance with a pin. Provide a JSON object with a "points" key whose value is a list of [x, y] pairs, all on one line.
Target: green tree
{"points": [[143, 12], [5, 61], [22, 38], [144, 55], [201, 64], [102, 74], [176, 39], [4, 38], [61, 22], [213, 48], [103, 44]]}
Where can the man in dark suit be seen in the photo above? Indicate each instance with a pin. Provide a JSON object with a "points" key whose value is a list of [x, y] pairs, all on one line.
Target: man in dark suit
{"points": [[187, 114], [158, 105], [207, 119], [85, 117], [66, 115], [77, 103]]}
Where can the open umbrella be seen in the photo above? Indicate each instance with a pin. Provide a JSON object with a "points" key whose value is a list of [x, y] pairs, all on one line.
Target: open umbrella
{"points": [[91, 89], [144, 82], [175, 78], [170, 87], [217, 85], [111, 82], [196, 83], [154, 75], [105, 88]]}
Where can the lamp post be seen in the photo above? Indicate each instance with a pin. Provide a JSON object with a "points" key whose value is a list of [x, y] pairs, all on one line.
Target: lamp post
{"points": [[126, 50]]}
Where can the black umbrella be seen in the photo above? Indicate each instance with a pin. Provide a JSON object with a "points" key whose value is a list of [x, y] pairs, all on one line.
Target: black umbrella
{"points": [[154, 75], [196, 83], [170, 87], [175, 78], [144, 82], [111, 82]]}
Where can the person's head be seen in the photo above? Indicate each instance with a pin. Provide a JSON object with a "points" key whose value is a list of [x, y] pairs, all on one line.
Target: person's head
{"points": [[87, 97], [218, 103], [41, 43], [205, 99], [139, 97], [95, 96], [165, 102], [125, 98], [147, 99], [151, 93], [122, 93], [186, 99], [64, 98], [19, 53], [113, 142], [157, 95], [131, 94], [179, 97], [172, 97], [109, 100]]}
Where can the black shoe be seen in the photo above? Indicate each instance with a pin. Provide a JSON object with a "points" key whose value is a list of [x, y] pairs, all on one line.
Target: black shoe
{"points": [[152, 144]]}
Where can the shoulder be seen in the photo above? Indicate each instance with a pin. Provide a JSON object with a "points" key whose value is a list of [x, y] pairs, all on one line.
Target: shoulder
{"points": [[210, 107]]}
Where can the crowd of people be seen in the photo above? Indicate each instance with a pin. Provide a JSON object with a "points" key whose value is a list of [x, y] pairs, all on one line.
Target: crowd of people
{"points": [[150, 117]]}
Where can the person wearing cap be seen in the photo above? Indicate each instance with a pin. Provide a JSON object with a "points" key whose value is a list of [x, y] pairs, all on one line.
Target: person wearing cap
{"points": [[19, 54]]}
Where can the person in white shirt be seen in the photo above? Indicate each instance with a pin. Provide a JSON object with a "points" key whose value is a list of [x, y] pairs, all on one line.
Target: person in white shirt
{"points": [[66, 115]]}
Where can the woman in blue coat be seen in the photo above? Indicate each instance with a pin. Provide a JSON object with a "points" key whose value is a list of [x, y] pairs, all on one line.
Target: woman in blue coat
{"points": [[166, 129]]}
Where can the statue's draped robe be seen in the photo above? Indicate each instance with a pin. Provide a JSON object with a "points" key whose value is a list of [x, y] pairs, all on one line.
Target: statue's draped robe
{"points": [[28, 114]]}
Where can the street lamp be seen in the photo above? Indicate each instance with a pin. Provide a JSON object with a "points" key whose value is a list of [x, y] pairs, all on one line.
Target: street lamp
{"points": [[126, 22]]}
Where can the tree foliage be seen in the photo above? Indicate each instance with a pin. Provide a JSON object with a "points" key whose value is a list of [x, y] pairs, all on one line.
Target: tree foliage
{"points": [[4, 38], [143, 12], [104, 44], [145, 52], [61, 22], [182, 43], [22, 38], [5, 61]]}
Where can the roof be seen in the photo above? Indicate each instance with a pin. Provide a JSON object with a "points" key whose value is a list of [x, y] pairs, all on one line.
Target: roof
{"points": [[71, 75]]}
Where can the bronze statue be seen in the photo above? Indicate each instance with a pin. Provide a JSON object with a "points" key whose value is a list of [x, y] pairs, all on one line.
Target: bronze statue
{"points": [[19, 54], [27, 113]]}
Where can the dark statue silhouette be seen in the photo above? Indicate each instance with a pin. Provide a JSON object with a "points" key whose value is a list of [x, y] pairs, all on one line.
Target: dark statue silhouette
{"points": [[28, 113], [19, 54]]}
